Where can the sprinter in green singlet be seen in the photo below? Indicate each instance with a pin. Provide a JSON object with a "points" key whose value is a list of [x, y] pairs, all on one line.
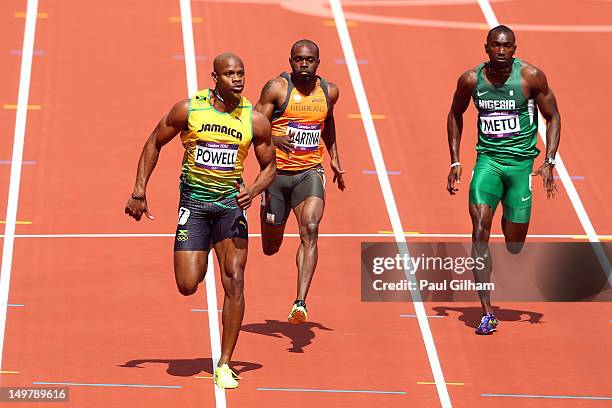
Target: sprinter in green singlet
{"points": [[508, 93]]}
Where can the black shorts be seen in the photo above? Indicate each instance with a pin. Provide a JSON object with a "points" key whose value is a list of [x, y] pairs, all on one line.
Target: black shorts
{"points": [[202, 224], [288, 190]]}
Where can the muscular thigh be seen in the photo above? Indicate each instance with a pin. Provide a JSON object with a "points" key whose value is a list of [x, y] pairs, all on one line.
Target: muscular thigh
{"points": [[276, 202], [232, 256], [194, 226], [192, 240], [310, 183], [309, 211], [291, 191], [517, 198], [190, 266], [229, 222], [486, 186]]}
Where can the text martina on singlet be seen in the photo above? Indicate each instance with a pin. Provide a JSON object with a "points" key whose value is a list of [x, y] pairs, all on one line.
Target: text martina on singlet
{"points": [[306, 136], [216, 156]]}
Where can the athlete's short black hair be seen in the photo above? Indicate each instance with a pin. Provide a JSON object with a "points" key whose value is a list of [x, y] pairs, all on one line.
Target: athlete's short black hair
{"points": [[500, 29], [307, 43]]}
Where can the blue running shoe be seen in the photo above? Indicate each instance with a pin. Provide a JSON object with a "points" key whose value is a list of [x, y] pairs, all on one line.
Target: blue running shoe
{"points": [[488, 324]]}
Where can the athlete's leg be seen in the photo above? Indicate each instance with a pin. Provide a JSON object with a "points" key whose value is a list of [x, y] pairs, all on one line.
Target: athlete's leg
{"points": [[273, 216], [515, 234], [230, 239], [189, 270], [271, 235], [486, 190], [517, 201], [232, 257], [308, 203], [308, 213], [192, 243], [482, 219]]}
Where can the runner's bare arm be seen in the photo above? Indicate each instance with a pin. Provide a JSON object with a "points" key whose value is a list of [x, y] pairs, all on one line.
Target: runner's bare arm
{"points": [[547, 105], [265, 154], [168, 127], [454, 124], [272, 97], [329, 137]]}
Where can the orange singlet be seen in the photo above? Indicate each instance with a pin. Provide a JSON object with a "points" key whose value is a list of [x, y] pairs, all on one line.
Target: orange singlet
{"points": [[304, 116]]}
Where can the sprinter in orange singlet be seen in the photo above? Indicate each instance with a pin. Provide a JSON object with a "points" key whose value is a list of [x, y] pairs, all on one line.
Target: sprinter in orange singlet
{"points": [[300, 108]]}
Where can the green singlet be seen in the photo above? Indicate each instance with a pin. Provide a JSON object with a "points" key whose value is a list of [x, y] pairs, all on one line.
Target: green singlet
{"points": [[507, 135]]}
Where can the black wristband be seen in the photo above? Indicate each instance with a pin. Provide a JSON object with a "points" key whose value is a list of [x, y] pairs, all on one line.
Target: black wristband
{"points": [[135, 197]]}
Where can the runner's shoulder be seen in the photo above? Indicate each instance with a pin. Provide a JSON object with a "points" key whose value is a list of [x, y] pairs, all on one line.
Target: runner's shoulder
{"points": [[179, 113], [275, 88], [467, 80], [530, 70], [527, 67], [181, 106], [334, 92], [532, 74]]}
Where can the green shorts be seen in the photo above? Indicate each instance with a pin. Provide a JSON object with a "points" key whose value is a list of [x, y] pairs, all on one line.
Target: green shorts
{"points": [[505, 179]]}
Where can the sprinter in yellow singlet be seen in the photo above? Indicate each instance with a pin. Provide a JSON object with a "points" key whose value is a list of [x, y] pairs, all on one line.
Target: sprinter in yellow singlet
{"points": [[300, 106], [217, 127]]}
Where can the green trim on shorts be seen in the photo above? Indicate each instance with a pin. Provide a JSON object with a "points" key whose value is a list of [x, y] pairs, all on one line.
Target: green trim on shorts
{"points": [[200, 194], [229, 207], [210, 198]]}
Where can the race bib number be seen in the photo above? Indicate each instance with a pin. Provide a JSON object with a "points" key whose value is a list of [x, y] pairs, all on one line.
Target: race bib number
{"points": [[183, 215], [500, 124], [216, 156], [306, 136]]}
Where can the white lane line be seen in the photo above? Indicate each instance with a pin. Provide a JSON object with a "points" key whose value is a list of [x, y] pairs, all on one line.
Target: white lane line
{"points": [[383, 178], [211, 290], [189, 48], [16, 161], [566, 180], [323, 235], [489, 15], [572, 193]]}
